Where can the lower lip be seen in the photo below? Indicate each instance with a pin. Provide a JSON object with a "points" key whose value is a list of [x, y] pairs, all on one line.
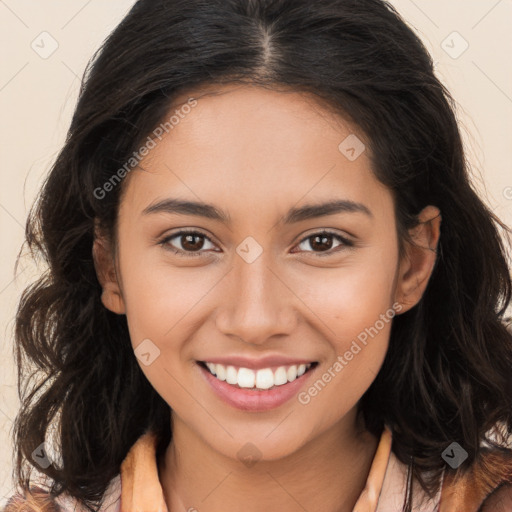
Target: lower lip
{"points": [[253, 399]]}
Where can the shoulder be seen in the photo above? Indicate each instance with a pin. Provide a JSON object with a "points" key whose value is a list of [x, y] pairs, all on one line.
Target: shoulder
{"points": [[485, 486], [39, 499], [394, 490], [499, 501], [33, 500]]}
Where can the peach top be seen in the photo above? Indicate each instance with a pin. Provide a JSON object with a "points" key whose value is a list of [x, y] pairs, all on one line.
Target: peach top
{"points": [[137, 487]]}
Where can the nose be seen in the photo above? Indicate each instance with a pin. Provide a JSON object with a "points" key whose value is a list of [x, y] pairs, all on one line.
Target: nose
{"points": [[257, 303]]}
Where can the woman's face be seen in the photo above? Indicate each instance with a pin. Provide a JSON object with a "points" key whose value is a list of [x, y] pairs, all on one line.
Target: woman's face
{"points": [[259, 279]]}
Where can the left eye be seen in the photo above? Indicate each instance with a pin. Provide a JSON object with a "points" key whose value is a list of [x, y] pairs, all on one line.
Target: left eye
{"points": [[190, 242], [323, 241]]}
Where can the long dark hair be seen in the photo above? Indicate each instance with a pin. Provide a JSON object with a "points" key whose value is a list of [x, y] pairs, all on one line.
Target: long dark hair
{"points": [[447, 375]]}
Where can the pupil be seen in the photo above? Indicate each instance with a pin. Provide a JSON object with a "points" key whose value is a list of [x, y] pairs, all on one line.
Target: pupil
{"points": [[191, 246], [324, 239]]}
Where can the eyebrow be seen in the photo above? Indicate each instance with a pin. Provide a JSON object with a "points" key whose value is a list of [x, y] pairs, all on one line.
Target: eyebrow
{"points": [[310, 211]]}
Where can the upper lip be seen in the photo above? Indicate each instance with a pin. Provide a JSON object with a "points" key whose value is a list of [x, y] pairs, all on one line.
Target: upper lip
{"points": [[257, 364]]}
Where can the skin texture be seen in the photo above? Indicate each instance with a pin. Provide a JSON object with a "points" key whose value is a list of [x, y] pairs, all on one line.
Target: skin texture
{"points": [[255, 153]]}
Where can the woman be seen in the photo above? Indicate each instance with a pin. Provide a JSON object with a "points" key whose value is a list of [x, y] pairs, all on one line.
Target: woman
{"points": [[271, 283]]}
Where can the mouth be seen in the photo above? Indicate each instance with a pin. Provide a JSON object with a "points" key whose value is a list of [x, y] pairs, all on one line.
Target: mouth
{"points": [[264, 379]]}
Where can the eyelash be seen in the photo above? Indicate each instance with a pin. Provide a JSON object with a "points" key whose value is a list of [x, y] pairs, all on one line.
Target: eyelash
{"points": [[165, 243]]}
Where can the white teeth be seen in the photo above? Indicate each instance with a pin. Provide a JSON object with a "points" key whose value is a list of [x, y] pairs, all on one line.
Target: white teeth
{"points": [[246, 378], [264, 378], [231, 375], [280, 376], [291, 373], [220, 371]]}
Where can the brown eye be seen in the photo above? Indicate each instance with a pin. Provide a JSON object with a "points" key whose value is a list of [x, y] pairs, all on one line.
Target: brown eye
{"points": [[191, 242], [323, 242], [188, 243]]}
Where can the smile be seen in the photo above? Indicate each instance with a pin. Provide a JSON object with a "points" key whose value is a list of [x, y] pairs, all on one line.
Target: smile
{"points": [[263, 379]]}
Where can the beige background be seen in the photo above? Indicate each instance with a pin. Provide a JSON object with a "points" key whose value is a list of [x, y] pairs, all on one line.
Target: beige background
{"points": [[37, 97]]}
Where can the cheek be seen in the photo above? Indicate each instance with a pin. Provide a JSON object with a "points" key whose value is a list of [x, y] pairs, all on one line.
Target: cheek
{"points": [[358, 333], [340, 384], [355, 308], [351, 297], [161, 305], [159, 296]]}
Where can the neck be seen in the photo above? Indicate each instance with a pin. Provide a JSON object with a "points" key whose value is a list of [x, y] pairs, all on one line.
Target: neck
{"points": [[328, 473]]}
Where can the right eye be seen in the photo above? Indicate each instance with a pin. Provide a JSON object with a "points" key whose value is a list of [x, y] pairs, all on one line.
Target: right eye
{"points": [[190, 243]]}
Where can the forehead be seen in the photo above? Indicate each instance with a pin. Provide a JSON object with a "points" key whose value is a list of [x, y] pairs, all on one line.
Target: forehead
{"points": [[244, 141], [258, 116]]}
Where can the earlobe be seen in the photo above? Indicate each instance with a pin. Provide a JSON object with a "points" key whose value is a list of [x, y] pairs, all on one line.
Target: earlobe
{"points": [[418, 264], [104, 264]]}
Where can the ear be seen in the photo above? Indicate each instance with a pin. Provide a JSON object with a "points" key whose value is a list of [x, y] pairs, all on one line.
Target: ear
{"points": [[104, 263], [418, 263]]}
